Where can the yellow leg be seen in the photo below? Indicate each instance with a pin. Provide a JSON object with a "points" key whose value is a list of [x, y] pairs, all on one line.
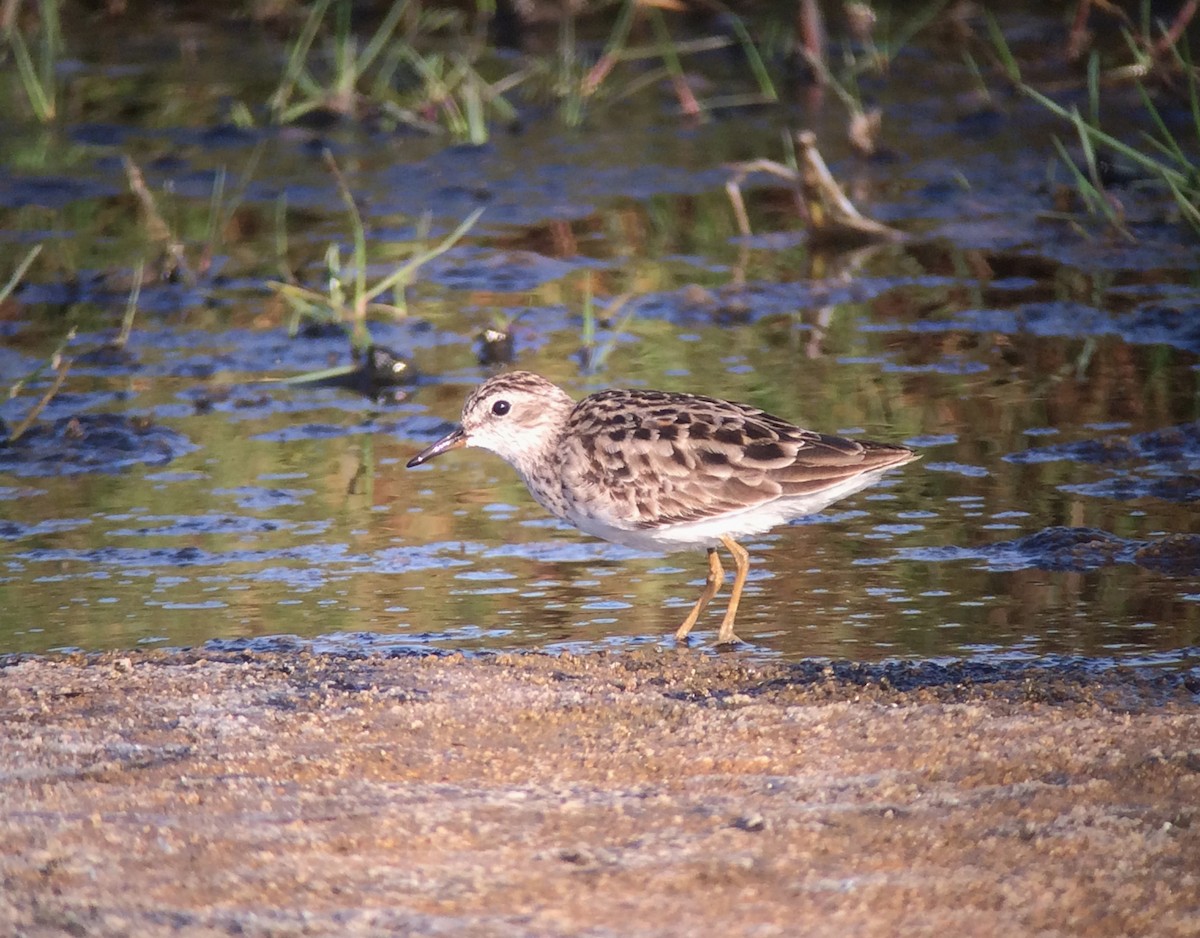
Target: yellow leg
{"points": [[716, 573], [741, 561]]}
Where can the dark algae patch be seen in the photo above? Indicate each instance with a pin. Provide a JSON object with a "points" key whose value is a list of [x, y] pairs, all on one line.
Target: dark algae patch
{"points": [[91, 443]]}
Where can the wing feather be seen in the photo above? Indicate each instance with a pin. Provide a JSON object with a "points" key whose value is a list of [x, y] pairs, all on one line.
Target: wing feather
{"points": [[643, 459]]}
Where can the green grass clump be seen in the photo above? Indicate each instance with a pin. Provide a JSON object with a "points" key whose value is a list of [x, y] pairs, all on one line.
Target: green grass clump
{"points": [[1156, 152]]}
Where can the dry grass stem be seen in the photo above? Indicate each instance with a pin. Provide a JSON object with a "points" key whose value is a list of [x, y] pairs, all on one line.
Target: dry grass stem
{"points": [[831, 218]]}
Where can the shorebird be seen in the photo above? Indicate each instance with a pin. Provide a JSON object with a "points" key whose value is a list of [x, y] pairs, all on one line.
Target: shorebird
{"points": [[663, 471]]}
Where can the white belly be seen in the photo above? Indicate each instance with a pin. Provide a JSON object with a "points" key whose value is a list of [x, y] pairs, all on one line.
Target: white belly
{"points": [[695, 535]]}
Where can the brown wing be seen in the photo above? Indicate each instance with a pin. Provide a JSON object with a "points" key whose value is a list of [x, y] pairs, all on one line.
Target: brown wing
{"points": [[639, 459]]}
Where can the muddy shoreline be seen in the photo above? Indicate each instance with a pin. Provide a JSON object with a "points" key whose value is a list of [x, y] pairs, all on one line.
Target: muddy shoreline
{"points": [[652, 793]]}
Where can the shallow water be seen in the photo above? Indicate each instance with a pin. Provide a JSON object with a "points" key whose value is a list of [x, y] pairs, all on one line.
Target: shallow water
{"points": [[171, 496]]}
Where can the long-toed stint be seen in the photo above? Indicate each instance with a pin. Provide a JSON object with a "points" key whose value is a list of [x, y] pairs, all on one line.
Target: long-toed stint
{"points": [[662, 471]]}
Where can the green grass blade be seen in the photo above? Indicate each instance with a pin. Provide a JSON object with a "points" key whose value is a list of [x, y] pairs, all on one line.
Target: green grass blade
{"points": [[1093, 88], [759, 70], [620, 32], [1089, 152], [359, 232], [1096, 135], [131, 306], [404, 272], [39, 100], [1009, 61], [295, 63], [28, 259], [914, 24], [1188, 206], [382, 36], [1165, 140]]}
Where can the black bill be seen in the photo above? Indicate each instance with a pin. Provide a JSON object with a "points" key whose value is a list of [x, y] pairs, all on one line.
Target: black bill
{"points": [[455, 439]]}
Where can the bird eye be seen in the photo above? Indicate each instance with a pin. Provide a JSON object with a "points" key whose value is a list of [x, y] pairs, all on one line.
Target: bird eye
{"points": [[500, 408]]}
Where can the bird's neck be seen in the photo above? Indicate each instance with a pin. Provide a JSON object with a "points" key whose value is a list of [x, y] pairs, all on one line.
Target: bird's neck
{"points": [[539, 468]]}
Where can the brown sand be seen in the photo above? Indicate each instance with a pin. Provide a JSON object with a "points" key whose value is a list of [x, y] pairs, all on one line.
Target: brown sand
{"points": [[655, 793]]}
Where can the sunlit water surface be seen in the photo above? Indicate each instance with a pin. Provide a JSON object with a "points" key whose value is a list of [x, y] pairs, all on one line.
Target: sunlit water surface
{"points": [[1049, 380]]}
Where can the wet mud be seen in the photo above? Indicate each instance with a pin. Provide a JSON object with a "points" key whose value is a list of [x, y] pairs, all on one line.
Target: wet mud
{"points": [[650, 793]]}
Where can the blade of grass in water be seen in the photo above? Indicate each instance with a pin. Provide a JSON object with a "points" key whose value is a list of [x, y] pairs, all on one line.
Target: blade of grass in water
{"points": [[23, 266]]}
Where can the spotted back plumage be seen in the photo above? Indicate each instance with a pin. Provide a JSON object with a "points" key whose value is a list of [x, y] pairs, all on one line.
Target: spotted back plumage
{"points": [[645, 459]]}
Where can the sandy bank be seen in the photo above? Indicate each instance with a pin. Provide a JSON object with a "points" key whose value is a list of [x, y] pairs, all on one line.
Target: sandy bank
{"points": [[656, 793]]}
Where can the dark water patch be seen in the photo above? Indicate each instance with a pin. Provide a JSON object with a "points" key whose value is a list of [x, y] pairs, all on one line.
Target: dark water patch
{"points": [[503, 272], [10, 493], [1163, 324], [14, 531], [54, 192], [731, 304], [167, 477], [955, 365], [100, 135], [106, 359], [214, 523], [425, 429], [146, 558], [1181, 488], [752, 302], [257, 402], [1155, 247], [66, 405], [1073, 549], [1171, 444], [194, 353], [329, 431], [408, 643], [253, 498], [566, 550], [767, 240], [103, 289], [1176, 554], [521, 192], [928, 441], [315, 563], [1177, 325], [957, 468], [987, 203], [1109, 450], [253, 354], [14, 362], [91, 443], [1063, 548], [257, 644], [357, 644]]}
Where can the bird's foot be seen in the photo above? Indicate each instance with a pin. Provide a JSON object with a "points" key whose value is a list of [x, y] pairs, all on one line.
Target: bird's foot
{"points": [[729, 640]]}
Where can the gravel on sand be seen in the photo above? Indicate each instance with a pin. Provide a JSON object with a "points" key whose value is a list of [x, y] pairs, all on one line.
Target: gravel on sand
{"points": [[658, 792]]}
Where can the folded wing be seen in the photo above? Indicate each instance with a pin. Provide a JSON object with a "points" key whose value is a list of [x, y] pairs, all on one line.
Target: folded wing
{"points": [[643, 459]]}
